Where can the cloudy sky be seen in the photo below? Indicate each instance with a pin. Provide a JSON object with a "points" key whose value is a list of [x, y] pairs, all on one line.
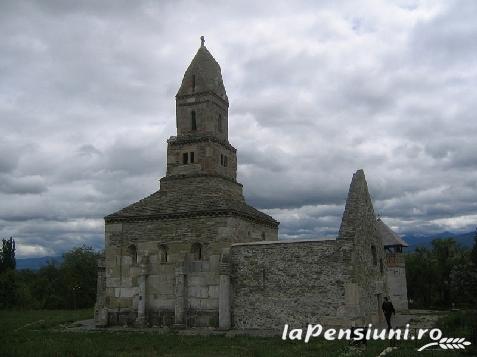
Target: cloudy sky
{"points": [[317, 90]]}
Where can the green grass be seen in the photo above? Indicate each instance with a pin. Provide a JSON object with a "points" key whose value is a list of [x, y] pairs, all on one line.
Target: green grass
{"points": [[40, 333]]}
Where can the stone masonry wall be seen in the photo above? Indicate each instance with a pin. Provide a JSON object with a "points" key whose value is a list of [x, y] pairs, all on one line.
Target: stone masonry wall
{"points": [[201, 187], [177, 235], [207, 159], [396, 280], [296, 283]]}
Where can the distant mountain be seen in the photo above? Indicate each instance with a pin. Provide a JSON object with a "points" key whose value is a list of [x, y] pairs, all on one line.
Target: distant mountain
{"points": [[419, 240], [37, 263]]}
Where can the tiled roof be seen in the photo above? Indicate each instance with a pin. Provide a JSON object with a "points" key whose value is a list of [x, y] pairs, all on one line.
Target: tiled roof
{"points": [[388, 236], [159, 205]]}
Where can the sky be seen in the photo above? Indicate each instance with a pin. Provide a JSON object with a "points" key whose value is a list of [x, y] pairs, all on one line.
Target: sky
{"points": [[317, 90]]}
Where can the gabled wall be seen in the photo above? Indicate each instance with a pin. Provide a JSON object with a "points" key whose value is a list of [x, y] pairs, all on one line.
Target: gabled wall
{"points": [[359, 226]]}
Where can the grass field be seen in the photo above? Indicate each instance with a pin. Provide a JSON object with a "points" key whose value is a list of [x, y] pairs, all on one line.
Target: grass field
{"points": [[42, 333]]}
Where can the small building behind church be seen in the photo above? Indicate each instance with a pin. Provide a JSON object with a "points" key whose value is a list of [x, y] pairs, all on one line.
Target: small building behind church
{"points": [[195, 254]]}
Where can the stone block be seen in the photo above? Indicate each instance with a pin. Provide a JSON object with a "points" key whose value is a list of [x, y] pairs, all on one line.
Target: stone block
{"points": [[194, 291], [214, 291], [203, 292], [214, 263], [194, 303], [114, 227], [112, 282], [125, 292], [196, 280]]}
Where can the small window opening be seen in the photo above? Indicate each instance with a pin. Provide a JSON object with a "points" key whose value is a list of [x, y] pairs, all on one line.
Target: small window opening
{"points": [[193, 82], [221, 159], [219, 123], [381, 266], [225, 161], [132, 250], [185, 158], [263, 236], [192, 157], [196, 251], [193, 121], [163, 258], [373, 252]]}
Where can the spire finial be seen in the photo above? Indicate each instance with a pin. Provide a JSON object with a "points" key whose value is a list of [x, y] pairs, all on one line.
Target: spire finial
{"points": [[202, 41]]}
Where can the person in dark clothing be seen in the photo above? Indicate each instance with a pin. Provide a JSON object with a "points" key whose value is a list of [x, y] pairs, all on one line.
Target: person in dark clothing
{"points": [[388, 310]]}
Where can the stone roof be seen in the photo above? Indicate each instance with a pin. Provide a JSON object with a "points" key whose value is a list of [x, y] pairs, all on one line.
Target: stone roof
{"points": [[388, 236], [159, 205], [208, 76]]}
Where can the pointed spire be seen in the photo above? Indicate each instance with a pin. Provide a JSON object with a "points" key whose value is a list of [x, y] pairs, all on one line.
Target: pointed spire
{"points": [[203, 75], [359, 208]]}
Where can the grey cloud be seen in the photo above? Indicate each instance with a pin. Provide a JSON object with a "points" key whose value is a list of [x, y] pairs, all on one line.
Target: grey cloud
{"points": [[317, 91], [22, 185]]}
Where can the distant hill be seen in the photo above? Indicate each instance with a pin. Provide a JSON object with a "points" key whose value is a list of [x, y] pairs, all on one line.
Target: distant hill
{"points": [[418, 240], [37, 263]]}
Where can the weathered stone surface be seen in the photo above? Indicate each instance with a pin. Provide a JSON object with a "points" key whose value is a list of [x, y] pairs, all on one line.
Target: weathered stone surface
{"points": [[359, 225], [288, 282]]}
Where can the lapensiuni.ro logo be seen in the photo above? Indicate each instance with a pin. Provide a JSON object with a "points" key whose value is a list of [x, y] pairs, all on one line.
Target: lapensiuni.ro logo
{"points": [[370, 333]]}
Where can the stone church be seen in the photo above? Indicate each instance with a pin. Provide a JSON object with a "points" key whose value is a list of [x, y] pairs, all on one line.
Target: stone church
{"points": [[195, 254]]}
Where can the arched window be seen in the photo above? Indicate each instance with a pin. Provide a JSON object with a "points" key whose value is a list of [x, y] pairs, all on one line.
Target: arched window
{"points": [[193, 121], [163, 258], [219, 123], [375, 257], [132, 251], [196, 251]]}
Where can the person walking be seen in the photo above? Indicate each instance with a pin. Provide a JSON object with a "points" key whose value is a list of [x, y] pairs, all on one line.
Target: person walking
{"points": [[388, 310]]}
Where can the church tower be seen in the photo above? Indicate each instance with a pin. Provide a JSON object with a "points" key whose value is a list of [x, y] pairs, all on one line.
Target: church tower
{"points": [[201, 145], [162, 253]]}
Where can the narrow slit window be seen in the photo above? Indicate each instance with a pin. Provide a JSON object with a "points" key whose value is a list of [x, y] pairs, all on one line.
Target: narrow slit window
{"points": [[221, 159], [193, 121], [133, 253], [225, 161], [192, 158], [196, 251], [163, 258], [185, 158], [375, 257]]}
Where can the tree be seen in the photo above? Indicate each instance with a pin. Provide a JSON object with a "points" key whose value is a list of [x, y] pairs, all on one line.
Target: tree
{"points": [[7, 255], [442, 276], [79, 271], [8, 289], [473, 254]]}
